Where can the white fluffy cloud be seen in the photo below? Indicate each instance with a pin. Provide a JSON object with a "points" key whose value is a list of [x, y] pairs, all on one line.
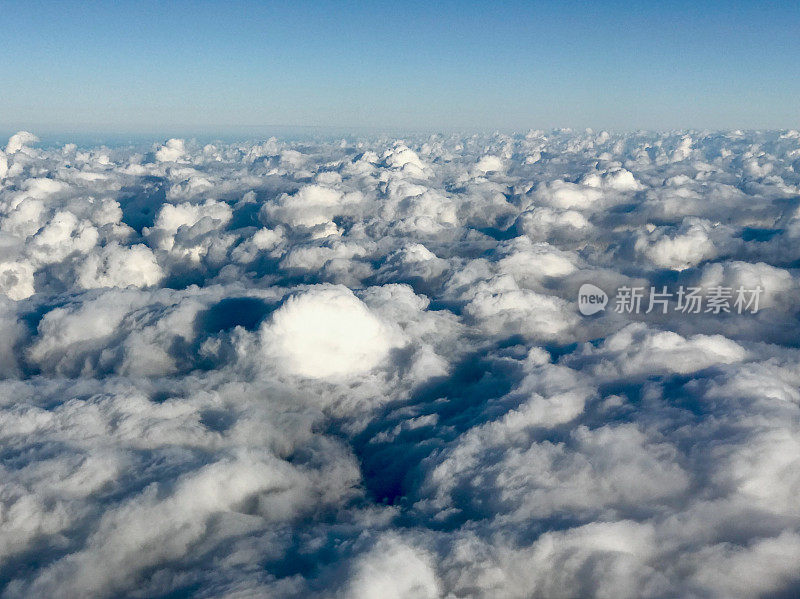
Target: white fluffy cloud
{"points": [[16, 280], [395, 570], [115, 266], [695, 241], [327, 332], [172, 150], [20, 140], [637, 350]]}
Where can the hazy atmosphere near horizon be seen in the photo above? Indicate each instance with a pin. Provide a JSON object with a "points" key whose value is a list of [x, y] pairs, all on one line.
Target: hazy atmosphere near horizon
{"points": [[235, 68], [401, 300]]}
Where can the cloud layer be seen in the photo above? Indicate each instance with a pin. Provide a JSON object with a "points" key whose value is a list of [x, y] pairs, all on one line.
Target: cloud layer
{"points": [[357, 368]]}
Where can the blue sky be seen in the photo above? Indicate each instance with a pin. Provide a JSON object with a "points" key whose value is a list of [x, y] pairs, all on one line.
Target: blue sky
{"points": [[241, 67]]}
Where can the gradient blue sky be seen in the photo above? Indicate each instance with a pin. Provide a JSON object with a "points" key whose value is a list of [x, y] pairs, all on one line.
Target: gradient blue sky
{"points": [[241, 67]]}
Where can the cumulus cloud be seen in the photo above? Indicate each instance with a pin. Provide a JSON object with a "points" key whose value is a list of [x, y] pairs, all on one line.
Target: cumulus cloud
{"points": [[394, 569], [16, 280], [557, 226], [20, 140], [638, 350], [327, 332], [171, 151], [357, 368], [695, 241], [115, 266]]}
